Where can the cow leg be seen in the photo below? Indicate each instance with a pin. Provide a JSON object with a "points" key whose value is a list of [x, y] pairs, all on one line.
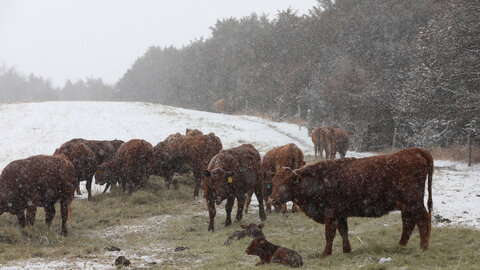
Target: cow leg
{"points": [[315, 149], [408, 224], [240, 204], [248, 200], [294, 208], [343, 230], [89, 188], [211, 213], [31, 212], [424, 227], [49, 214], [330, 230], [64, 209], [228, 209], [106, 188], [198, 182], [21, 218], [168, 180], [261, 207], [284, 208], [77, 187]]}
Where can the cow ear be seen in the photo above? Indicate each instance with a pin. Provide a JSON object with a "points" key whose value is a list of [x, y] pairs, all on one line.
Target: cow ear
{"points": [[244, 226], [261, 225], [207, 173]]}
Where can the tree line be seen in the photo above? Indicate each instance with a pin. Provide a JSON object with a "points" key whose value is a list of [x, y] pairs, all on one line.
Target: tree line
{"points": [[401, 70]]}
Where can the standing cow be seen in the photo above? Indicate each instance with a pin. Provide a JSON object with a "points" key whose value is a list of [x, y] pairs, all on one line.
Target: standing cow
{"points": [[230, 175], [220, 105], [83, 159], [337, 141], [131, 166], [38, 181], [319, 139], [288, 155], [183, 153], [331, 191]]}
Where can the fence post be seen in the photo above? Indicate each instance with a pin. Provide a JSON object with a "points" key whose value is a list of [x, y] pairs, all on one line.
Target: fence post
{"points": [[469, 143]]}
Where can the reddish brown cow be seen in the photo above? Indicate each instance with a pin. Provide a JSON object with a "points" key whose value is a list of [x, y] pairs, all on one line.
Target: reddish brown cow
{"points": [[131, 166], [288, 155], [37, 181], [269, 252], [83, 159], [193, 132], [230, 175], [319, 139], [338, 140], [253, 230], [330, 191], [221, 106], [185, 153]]}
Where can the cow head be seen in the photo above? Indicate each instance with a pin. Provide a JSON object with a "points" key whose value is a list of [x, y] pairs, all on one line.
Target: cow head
{"points": [[254, 230], [104, 175], [258, 246], [284, 182], [221, 183]]}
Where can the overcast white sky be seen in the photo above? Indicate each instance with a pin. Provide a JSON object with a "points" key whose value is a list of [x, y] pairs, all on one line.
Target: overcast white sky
{"points": [[60, 39]]}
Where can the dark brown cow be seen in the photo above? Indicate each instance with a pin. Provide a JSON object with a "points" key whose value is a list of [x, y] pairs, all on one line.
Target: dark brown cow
{"points": [[38, 181], [185, 153], [269, 252], [319, 139], [288, 155], [230, 175], [330, 191], [131, 166], [104, 150], [338, 140], [83, 159], [253, 230], [193, 132], [221, 106]]}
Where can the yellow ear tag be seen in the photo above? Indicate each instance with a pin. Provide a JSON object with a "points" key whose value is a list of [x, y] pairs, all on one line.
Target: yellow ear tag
{"points": [[297, 180], [229, 180]]}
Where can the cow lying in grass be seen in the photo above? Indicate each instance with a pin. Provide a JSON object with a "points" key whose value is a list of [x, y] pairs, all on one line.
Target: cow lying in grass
{"points": [[269, 252], [331, 191]]}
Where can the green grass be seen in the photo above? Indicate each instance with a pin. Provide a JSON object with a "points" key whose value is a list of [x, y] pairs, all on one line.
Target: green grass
{"points": [[154, 221]]}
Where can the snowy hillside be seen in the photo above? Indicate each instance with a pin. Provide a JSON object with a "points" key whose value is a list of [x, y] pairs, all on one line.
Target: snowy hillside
{"points": [[39, 128]]}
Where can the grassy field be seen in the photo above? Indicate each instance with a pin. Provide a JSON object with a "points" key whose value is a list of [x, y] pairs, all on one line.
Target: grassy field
{"points": [[149, 225]]}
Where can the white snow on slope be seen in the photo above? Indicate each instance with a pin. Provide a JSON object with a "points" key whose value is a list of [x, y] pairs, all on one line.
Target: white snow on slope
{"points": [[39, 128]]}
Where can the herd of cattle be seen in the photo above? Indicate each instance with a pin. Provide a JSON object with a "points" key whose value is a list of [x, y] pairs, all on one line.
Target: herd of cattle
{"points": [[328, 191]]}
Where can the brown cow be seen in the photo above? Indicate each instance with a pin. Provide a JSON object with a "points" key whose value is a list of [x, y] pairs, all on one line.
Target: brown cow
{"points": [[104, 150], [330, 191], [319, 139], [185, 153], [38, 181], [230, 175], [83, 159], [338, 140], [253, 230], [288, 155], [221, 106], [269, 252], [131, 166], [193, 132]]}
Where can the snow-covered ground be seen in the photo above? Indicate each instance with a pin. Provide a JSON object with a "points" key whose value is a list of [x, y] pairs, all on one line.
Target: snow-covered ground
{"points": [[39, 128]]}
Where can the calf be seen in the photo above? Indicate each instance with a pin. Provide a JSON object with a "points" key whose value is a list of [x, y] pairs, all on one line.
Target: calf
{"points": [[38, 181], [253, 230], [331, 191], [288, 155], [230, 175], [319, 139], [131, 166], [269, 252], [185, 153], [83, 159]]}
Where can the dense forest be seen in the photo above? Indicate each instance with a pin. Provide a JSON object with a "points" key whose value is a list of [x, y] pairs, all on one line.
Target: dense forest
{"points": [[401, 70]]}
